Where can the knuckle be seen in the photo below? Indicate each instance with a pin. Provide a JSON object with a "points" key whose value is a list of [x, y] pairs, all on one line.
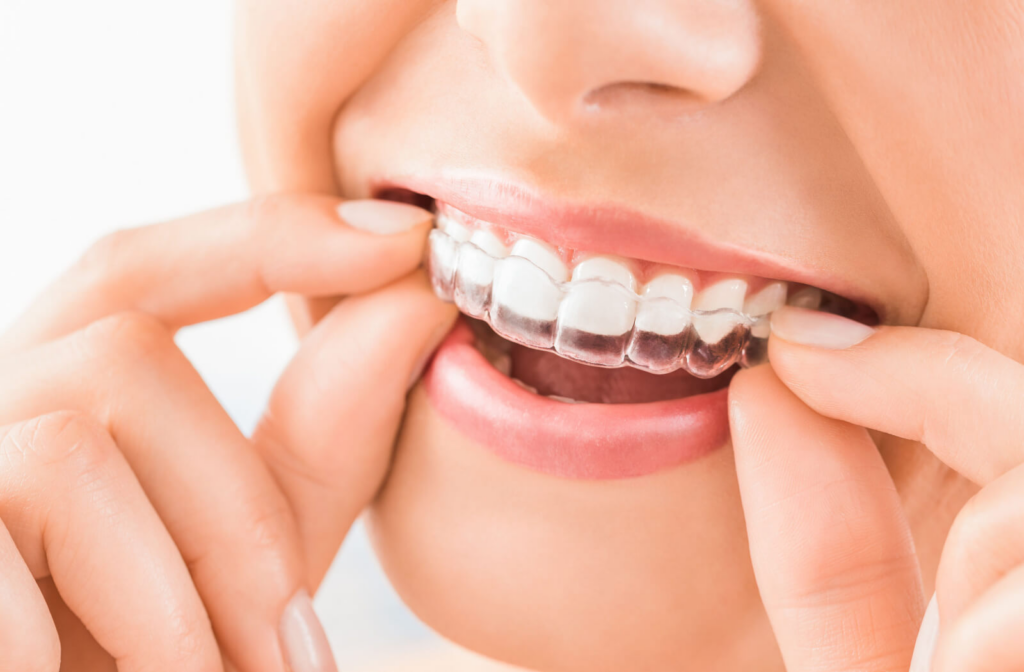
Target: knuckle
{"points": [[264, 214], [191, 642], [105, 257], [268, 522], [962, 353], [123, 337], [58, 439]]}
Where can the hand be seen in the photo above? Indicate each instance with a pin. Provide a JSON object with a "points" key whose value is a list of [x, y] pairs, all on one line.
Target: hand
{"points": [[160, 537], [831, 547]]}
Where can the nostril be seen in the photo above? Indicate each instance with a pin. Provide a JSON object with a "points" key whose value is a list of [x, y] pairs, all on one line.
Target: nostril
{"points": [[620, 96]]}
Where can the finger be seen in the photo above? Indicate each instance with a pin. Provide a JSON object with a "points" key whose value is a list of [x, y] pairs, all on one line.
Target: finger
{"points": [[986, 638], [224, 261], [215, 495], [958, 397], [77, 513], [831, 549], [333, 416], [984, 544], [28, 637]]}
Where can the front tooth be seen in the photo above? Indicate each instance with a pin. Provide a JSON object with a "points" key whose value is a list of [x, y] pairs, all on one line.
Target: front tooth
{"points": [[657, 314], [604, 268], [768, 299], [489, 243], [524, 302], [597, 314], [453, 228], [596, 308], [808, 297], [543, 256], [727, 294]]}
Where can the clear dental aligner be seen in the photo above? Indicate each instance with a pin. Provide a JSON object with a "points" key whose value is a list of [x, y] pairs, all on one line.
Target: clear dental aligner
{"points": [[596, 313]]}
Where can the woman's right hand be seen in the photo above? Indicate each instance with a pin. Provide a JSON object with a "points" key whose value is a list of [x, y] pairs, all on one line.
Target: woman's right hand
{"points": [[137, 524]]}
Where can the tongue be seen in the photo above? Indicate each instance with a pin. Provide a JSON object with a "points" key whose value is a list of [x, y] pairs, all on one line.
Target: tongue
{"points": [[552, 374]]}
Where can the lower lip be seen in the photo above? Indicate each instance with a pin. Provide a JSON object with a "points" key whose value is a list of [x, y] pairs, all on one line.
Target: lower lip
{"points": [[578, 441]]}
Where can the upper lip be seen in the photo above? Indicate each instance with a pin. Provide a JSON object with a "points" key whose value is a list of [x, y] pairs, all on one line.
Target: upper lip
{"points": [[609, 228]]}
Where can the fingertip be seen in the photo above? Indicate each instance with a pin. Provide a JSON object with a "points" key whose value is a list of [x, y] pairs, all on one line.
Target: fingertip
{"points": [[384, 218]]}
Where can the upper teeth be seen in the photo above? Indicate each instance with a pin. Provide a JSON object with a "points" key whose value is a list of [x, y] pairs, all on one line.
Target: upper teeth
{"points": [[596, 310]]}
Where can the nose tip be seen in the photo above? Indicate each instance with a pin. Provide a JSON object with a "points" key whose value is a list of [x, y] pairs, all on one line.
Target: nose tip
{"points": [[570, 57]]}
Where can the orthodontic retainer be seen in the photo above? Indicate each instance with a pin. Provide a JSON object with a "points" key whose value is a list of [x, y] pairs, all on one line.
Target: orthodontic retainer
{"points": [[662, 339]]}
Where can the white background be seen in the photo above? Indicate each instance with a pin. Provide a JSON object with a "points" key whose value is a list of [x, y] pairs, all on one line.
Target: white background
{"points": [[120, 112]]}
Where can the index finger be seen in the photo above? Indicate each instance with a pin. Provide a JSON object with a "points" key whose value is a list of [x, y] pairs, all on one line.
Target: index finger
{"points": [[958, 397], [227, 260]]}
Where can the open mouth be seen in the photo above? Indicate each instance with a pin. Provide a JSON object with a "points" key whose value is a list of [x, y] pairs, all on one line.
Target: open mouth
{"points": [[556, 337]]}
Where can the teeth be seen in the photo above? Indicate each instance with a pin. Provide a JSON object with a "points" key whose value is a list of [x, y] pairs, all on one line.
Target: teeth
{"points": [[528, 388], [808, 297], [565, 400], [473, 281], [769, 298], [457, 230], [604, 268], [476, 272], [543, 257], [489, 243], [726, 293], [596, 311], [669, 316], [597, 314], [524, 302], [443, 255]]}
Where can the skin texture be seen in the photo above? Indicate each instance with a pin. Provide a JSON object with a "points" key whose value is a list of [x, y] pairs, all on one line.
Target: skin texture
{"points": [[875, 140], [879, 142]]}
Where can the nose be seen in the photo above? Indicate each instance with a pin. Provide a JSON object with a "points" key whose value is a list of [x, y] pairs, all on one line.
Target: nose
{"points": [[570, 57]]}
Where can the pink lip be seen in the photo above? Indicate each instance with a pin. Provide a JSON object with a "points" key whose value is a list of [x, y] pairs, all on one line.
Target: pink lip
{"points": [[611, 229], [579, 441]]}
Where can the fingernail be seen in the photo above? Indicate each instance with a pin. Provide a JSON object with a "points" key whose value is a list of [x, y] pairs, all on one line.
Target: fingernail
{"points": [[382, 217], [927, 638], [302, 637], [821, 330], [435, 340]]}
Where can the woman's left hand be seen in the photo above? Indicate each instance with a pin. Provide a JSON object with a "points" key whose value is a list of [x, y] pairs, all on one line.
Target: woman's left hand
{"points": [[830, 543]]}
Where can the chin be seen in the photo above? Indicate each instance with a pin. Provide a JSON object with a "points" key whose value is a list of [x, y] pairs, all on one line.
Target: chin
{"points": [[553, 573]]}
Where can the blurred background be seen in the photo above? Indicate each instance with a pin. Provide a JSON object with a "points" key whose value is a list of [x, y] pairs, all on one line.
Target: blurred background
{"points": [[115, 113]]}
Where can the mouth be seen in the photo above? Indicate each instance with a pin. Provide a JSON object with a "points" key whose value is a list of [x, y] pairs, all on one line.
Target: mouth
{"points": [[581, 362]]}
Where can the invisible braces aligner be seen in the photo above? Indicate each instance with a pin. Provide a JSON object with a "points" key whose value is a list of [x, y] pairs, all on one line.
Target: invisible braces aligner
{"points": [[703, 342]]}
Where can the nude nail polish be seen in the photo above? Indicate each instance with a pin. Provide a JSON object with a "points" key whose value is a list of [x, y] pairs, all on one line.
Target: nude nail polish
{"points": [[382, 217], [818, 329], [302, 637]]}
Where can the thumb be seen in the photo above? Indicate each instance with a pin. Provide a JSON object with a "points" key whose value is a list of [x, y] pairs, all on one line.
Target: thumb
{"points": [[831, 549], [330, 426]]}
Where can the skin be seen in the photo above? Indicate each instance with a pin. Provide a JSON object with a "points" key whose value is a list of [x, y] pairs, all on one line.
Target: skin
{"points": [[879, 142]]}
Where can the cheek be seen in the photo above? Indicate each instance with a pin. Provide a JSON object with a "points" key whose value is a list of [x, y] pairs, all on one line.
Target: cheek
{"points": [[546, 573]]}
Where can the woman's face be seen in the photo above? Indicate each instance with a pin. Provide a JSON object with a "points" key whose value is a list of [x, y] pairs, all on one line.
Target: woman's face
{"points": [[714, 139]]}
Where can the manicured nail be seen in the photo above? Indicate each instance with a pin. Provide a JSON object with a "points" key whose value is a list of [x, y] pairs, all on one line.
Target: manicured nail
{"points": [[302, 637], [821, 330], [382, 217], [927, 638]]}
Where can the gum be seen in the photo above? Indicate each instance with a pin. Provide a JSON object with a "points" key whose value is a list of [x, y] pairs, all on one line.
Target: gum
{"points": [[459, 273]]}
